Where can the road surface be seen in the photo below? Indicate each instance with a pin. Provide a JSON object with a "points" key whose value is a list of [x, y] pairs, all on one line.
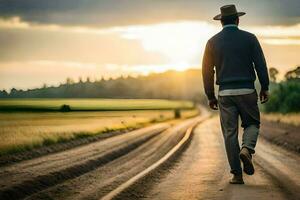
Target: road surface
{"points": [[202, 172], [199, 170]]}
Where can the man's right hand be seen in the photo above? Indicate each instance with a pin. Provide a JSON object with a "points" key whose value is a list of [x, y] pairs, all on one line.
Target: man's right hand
{"points": [[213, 104]]}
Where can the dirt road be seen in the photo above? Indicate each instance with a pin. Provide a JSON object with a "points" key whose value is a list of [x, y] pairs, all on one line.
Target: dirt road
{"points": [[202, 172], [197, 171]]}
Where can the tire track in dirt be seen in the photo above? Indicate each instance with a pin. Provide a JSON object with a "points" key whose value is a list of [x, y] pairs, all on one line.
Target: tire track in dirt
{"points": [[25, 178], [99, 182], [282, 165], [58, 147]]}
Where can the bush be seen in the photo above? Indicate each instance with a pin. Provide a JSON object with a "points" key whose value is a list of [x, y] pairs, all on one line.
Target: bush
{"points": [[177, 113], [285, 98], [65, 108]]}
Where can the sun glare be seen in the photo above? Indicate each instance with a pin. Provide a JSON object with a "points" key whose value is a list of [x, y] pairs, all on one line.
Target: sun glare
{"points": [[181, 42]]}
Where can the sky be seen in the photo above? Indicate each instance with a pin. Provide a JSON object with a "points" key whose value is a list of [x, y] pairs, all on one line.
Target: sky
{"points": [[48, 41]]}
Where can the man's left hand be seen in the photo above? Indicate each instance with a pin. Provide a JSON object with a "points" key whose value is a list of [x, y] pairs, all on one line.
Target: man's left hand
{"points": [[264, 96]]}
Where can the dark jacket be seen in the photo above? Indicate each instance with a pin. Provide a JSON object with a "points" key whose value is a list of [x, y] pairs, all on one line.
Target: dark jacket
{"points": [[235, 55]]}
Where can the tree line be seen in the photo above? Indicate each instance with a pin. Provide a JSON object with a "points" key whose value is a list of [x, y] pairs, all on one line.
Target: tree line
{"points": [[285, 95], [169, 85], [187, 85]]}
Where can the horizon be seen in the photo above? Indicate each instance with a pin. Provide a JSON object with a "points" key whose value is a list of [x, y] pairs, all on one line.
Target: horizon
{"points": [[49, 46], [99, 79]]}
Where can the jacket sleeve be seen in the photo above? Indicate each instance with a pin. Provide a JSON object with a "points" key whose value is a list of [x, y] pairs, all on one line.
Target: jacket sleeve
{"points": [[208, 72], [260, 65]]}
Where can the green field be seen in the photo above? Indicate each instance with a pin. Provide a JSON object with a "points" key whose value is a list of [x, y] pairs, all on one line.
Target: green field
{"points": [[91, 104], [20, 131]]}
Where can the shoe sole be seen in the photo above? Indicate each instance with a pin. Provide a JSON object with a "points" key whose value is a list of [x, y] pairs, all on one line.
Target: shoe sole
{"points": [[248, 165]]}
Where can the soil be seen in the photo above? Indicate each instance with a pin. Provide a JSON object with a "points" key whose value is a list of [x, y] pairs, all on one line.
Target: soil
{"points": [[202, 172], [58, 147], [284, 135]]}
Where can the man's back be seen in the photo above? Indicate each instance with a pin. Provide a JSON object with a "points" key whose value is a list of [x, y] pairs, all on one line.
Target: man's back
{"points": [[235, 54], [232, 50]]}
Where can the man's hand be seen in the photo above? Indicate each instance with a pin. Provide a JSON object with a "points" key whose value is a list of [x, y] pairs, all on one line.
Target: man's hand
{"points": [[263, 96], [213, 104]]}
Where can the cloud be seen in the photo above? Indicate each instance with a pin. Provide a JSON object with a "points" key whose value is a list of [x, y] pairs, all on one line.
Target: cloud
{"points": [[66, 64], [282, 41], [277, 31], [13, 22], [164, 43], [278, 35], [16, 22], [33, 53], [104, 13], [31, 74], [23, 41]]}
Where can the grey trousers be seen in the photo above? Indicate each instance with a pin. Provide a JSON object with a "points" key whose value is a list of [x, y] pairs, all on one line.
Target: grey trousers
{"points": [[231, 108]]}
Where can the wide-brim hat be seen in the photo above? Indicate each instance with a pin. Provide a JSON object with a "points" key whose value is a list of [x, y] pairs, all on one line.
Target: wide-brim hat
{"points": [[227, 11]]}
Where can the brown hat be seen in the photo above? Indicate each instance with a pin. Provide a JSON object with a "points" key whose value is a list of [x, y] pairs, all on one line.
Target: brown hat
{"points": [[228, 10]]}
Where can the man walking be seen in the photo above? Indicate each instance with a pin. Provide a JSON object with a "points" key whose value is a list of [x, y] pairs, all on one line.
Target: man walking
{"points": [[235, 55]]}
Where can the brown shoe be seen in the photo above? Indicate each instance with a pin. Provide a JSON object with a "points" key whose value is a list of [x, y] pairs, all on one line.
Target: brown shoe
{"points": [[246, 158], [237, 179]]}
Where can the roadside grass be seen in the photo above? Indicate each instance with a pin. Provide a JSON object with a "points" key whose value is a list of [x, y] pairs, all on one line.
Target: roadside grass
{"points": [[25, 131], [43, 105], [289, 119]]}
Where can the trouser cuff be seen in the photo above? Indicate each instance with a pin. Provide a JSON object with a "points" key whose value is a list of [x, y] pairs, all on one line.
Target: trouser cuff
{"points": [[250, 149], [236, 172]]}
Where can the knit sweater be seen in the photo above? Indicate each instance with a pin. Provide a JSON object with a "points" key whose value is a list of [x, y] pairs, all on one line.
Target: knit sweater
{"points": [[234, 55]]}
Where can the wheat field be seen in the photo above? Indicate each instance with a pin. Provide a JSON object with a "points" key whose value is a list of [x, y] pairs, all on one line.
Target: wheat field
{"points": [[21, 131]]}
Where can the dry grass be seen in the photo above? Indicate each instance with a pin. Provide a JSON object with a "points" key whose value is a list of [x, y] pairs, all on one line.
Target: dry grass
{"points": [[91, 104], [292, 119], [21, 131]]}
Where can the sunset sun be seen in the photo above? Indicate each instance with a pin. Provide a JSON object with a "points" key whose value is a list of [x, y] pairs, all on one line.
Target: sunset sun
{"points": [[180, 42]]}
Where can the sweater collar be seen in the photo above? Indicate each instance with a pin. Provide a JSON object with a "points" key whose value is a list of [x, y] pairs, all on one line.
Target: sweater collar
{"points": [[230, 26]]}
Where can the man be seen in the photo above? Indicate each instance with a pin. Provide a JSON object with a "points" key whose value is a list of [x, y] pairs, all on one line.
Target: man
{"points": [[235, 55]]}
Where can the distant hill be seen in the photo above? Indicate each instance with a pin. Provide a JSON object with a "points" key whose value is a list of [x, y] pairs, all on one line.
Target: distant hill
{"points": [[169, 85]]}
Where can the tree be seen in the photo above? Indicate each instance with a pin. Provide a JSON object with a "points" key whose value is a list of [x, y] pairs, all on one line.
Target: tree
{"points": [[69, 81], [3, 93], [293, 74], [14, 92], [285, 96], [88, 79], [273, 74]]}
